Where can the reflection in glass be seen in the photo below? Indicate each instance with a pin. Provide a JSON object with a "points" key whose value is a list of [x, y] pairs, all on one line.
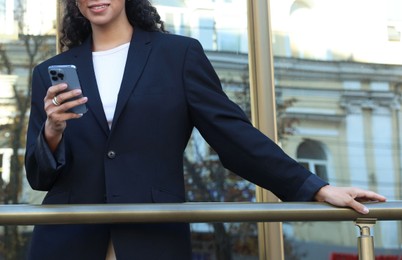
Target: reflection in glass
{"points": [[313, 157], [221, 27], [340, 63], [27, 37]]}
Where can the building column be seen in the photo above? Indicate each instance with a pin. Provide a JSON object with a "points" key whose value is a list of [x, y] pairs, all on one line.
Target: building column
{"points": [[356, 147], [383, 157]]}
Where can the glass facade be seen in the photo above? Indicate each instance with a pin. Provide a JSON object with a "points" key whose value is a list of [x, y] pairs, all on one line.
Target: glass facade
{"points": [[27, 37], [338, 75], [221, 27], [339, 63]]}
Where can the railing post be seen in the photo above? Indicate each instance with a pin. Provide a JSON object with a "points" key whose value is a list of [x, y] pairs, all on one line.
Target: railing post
{"points": [[365, 241]]}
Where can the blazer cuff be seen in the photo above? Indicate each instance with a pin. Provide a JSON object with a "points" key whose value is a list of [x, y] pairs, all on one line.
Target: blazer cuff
{"points": [[309, 188], [47, 161]]}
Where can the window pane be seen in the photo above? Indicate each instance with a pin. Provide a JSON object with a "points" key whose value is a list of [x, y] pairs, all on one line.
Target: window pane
{"points": [[221, 27], [340, 63], [27, 37], [321, 171], [305, 165], [311, 150]]}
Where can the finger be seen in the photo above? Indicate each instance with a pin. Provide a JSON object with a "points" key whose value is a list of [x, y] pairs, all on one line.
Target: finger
{"points": [[54, 90], [70, 104], [57, 120], [69, 116], [358, 207], [369, 195], [61, 98]]}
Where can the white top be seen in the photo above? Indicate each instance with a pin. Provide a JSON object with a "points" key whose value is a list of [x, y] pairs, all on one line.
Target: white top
{"points": [[109, 69]]}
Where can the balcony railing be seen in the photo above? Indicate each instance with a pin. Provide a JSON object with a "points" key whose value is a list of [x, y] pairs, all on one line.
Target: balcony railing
{"points": [[205, 212]]}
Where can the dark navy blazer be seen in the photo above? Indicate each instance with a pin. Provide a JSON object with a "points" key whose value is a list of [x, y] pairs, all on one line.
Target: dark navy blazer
{"points": [[169, 87]]}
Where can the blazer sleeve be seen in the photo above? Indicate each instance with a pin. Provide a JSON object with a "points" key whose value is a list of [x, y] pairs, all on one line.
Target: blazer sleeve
{"points": [[242, 148], [41, 165]]}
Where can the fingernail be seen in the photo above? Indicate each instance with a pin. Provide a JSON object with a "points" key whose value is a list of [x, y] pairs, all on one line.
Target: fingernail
{"points": [[77, 91], [365, 210]]}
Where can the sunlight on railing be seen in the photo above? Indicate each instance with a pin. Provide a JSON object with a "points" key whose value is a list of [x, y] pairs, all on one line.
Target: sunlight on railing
{"points": [[205, 212]]}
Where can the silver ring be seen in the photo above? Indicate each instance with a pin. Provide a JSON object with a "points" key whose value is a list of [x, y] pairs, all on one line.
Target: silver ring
{"points": [[55, 102]]}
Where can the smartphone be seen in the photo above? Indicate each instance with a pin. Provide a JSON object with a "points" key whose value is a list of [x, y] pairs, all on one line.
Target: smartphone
{"points": [[67, 74]]}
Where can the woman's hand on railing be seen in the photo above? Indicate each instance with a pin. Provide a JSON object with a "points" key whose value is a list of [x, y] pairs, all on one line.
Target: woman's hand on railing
{"points": [[348, 197]]}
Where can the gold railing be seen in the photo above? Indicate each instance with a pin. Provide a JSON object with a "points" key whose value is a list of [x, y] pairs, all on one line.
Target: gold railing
{"points": [[205, 212]]}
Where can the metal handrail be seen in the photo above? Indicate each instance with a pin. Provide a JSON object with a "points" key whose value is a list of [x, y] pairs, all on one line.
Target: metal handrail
{"points": [[191, 212], [205, 212]]}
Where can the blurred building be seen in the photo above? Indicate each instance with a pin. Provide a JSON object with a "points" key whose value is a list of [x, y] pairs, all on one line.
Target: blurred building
{"points": [[338, 78], [27, 37], [337, 67]]}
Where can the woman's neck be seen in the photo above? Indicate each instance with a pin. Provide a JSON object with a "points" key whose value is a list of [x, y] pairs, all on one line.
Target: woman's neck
{"points": [[108, 38]]}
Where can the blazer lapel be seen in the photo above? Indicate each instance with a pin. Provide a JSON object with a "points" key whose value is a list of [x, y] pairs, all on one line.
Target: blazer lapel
{"points": [[138, 53], [83, 60]]}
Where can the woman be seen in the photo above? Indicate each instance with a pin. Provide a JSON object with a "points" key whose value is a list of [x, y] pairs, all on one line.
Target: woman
{"points": [[145, 91]]}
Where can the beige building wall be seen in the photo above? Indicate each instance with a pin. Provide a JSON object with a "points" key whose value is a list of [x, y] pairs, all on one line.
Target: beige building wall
{"points": [[357, 125]]}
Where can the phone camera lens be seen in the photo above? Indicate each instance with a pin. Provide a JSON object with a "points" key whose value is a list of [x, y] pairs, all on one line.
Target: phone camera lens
{"points": [[54, 78], [60, 75], [53, 72]]}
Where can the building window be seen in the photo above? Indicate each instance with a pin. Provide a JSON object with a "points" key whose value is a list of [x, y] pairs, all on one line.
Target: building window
{"points": [[1, 165], [312, 156], [169, 23], [207, 32]]}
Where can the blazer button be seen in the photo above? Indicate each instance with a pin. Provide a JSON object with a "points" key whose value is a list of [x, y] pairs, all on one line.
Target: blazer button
{"points": [[111, 154]]}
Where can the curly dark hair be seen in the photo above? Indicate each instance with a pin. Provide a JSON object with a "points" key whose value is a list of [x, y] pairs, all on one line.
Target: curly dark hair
{"points": [[76, 28]]}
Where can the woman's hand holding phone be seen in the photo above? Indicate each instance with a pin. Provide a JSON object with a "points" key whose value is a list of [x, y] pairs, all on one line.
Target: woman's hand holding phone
{"points": [[63, 101], [58, 103]]}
